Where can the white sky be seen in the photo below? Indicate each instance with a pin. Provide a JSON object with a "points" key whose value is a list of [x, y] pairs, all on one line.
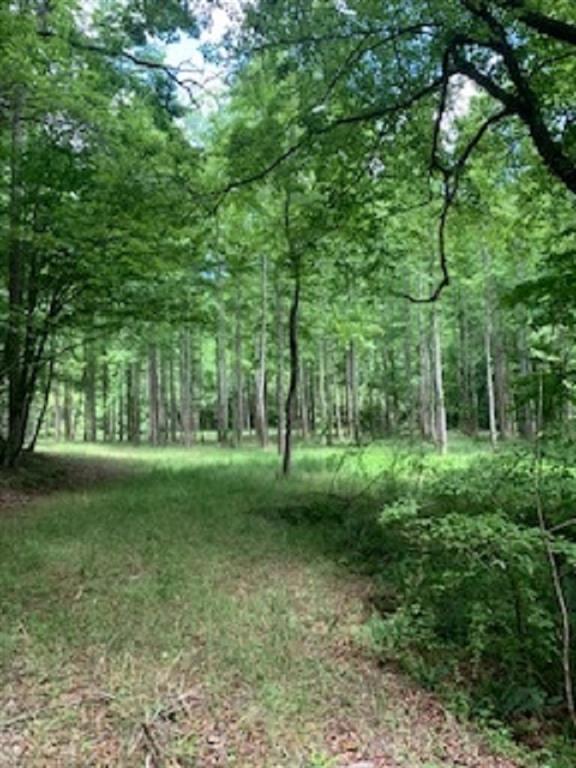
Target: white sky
{"points": [[207, 81]]}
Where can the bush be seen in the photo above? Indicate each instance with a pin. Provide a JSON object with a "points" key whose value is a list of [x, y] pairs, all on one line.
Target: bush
{"points": [[465, 548]]}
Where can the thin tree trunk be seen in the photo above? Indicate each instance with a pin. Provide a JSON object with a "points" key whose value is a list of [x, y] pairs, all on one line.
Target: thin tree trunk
{"points": [[58, 420], [354, 414], [490, 379], [338, 410], [441, 428], [185, 388], [163, 398], [133, 403], [303, 402], [527, 419], [44, 407], [173, 402], [501, 388], [153, 395], [90, 427], [488, 351], [280, 402], [120, 433], [425, 385], [239, 378], [222, 376], [196, 384], [293, 382], [106, 405], [68, 413], [261, 410]]}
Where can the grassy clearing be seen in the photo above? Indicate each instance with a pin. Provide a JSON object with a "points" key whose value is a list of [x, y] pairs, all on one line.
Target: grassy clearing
{"points": [[166, 618]]}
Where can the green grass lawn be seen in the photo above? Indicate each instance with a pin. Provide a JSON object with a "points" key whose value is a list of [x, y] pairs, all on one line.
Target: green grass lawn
{"points": [[164, 618]]}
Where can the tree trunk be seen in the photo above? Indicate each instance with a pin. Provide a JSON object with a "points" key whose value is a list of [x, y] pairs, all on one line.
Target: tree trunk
{"points": [[527, 417], [329, 385], [303, 403], [338, 409], [501, 388], [153, 396], [58, 420], [239, 378], [441, 428], [90, 427], [163, 398], [173, 402], [13, 353], [196, 384], [490, 379], [43, 408], [106, 405], [261, 412], [467, 415], [133, 403], [222, 378], [68, 413], [291, 400], [280, 402], [185, 388], [352, 386], [426, 386]]}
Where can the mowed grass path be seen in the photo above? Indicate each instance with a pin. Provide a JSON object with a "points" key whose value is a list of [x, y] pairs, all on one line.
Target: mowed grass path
{"points": [[164, 619]]}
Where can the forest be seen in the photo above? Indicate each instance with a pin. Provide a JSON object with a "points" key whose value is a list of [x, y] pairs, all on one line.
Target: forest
{"points": [[288, 383]]}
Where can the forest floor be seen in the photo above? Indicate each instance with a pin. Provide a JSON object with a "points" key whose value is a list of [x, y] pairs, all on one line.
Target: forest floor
{"points": [[154, 617]]}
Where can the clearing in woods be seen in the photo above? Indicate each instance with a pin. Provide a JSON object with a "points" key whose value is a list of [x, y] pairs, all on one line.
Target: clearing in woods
{"points": [[164, 616]]}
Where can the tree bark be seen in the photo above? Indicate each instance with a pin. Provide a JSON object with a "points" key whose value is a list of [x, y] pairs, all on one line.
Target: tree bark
{"points": [[261, 410], [153, 396], [90, 425], [280, 401], [352, 378], [440, 409], [490, 378], [68, 413], [303, 402], [133, 403], [223, 423], [13, 353], [291, 399], [238, 377], [185, 388]]}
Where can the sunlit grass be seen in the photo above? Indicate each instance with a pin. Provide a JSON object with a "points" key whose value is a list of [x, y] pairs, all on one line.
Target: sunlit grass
{"points": [[173, 577]]}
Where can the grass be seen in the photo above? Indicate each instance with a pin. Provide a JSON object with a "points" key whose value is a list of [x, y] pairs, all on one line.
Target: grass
{"points": [[164, 616]]}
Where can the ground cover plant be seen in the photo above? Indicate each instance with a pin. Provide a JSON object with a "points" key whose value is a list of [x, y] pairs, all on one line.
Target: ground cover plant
{"points": [[287, 382], [194, 617]]}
